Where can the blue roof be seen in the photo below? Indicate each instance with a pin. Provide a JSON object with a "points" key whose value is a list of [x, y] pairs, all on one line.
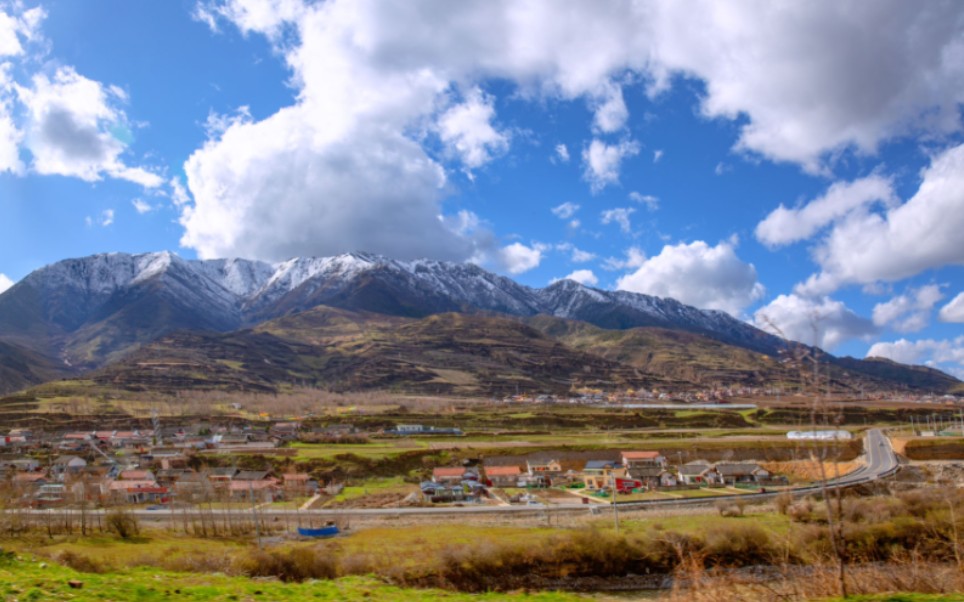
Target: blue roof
{"points": [[597, 464]]}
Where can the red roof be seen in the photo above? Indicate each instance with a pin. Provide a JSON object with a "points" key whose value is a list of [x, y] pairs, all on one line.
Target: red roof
{"points": [[29, 477], [446, 471], [295, 476], [640, 455], [134, 475], [502, 471]]}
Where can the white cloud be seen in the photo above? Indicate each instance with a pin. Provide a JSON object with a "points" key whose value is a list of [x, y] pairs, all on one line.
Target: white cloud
{"points": [[580, 256], [909, 312], [5, 283], [575, 224], [651, 202], [518, 258], [923, 233], [811, 80], [370, 77], [74, 128], [583, 277], [603, 162], [142, 206], [10, 134], [562, 152], [822, 322], [611, 113], [577, 255], [953, 311], [106, 218], [947, 354], [634, 258], [16, 25], [657, 155], [619, 215], [565, 210], [784, 226], [467, 130], [698, 274]]}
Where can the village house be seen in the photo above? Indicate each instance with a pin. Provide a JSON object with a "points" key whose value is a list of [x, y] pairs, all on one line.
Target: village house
{"points": [[600, 474], [640, 459], [264, 490], [448, 474], [503, 476], [548, 468], [699, 473], [298, 484], [653, 477], [743, 472], [68, 465]]}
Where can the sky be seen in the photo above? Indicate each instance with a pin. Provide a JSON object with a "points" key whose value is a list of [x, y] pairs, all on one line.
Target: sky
{"points": [[797, 165]]}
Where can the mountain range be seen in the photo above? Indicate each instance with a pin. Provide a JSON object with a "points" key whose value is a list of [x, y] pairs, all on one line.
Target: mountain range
{"points": [[360, 321]]}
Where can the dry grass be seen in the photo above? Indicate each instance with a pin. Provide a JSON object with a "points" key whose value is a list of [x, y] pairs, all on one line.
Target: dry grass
{"points": [[809, 470], [693, 583]]}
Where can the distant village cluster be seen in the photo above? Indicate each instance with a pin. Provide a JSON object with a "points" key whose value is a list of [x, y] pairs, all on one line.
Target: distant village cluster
{"points": [[719, 395], [162, 466]]}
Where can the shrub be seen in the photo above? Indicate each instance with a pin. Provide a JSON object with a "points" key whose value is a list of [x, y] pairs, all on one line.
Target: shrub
{"points": [[296, 564], [783, 502], [738, 545], [122, 523], [79, 562]]}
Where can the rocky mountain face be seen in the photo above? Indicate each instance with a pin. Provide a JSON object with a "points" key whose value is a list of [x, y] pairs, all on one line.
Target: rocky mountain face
{"points": [[85, 313]]}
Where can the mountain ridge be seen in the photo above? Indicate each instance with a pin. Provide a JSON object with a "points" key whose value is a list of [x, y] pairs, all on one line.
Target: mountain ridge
{"points": [[89, 312]]}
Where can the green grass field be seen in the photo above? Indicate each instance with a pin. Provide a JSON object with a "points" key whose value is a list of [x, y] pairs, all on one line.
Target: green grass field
{"points": [[32, 580]]}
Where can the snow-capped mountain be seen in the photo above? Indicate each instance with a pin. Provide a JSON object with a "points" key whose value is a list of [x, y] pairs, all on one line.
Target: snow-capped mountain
{"points": [[66, 307]]}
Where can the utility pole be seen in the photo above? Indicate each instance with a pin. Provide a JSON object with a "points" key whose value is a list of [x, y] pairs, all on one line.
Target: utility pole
{"points": [[615, 511]]}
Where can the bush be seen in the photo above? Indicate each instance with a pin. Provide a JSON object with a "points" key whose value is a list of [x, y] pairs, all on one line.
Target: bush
{"points": [[122, 523], [79, 562], [783, 502], [296, 564], [738, 545]]}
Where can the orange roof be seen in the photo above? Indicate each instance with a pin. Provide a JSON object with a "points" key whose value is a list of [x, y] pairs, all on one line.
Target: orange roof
{"points": [[447, 471], [640, 455], [295, 476], [29, 477], [502, 471]]}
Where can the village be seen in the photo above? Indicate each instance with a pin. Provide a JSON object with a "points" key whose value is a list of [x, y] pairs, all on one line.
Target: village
{"points": [[185, 466]]}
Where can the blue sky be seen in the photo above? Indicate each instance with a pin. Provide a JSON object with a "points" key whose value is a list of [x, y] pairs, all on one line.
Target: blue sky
{"points": [[800, 166]]}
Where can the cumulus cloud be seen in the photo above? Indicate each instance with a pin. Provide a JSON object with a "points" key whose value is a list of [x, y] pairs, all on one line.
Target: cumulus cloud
{"points": [[75, 128], [106, 218], [565, 210], [784, 226], [657, 155], [698, 274], [822, 322], [946, 354], [923, 233], [805, 83], [611, 112], [604, 161], [619, 215], [953, 311], [909, 312], [467, 130], [368, 75], [634, 258], [5, 283], [583, 277], [518, 258], [577, 255], [142, 206], [562, 152], [651, 202]]}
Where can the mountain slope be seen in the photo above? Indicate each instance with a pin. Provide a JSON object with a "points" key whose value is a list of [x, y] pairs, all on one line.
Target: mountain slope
{"points": [[341, 350], [21, 367], [91, 312]]}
